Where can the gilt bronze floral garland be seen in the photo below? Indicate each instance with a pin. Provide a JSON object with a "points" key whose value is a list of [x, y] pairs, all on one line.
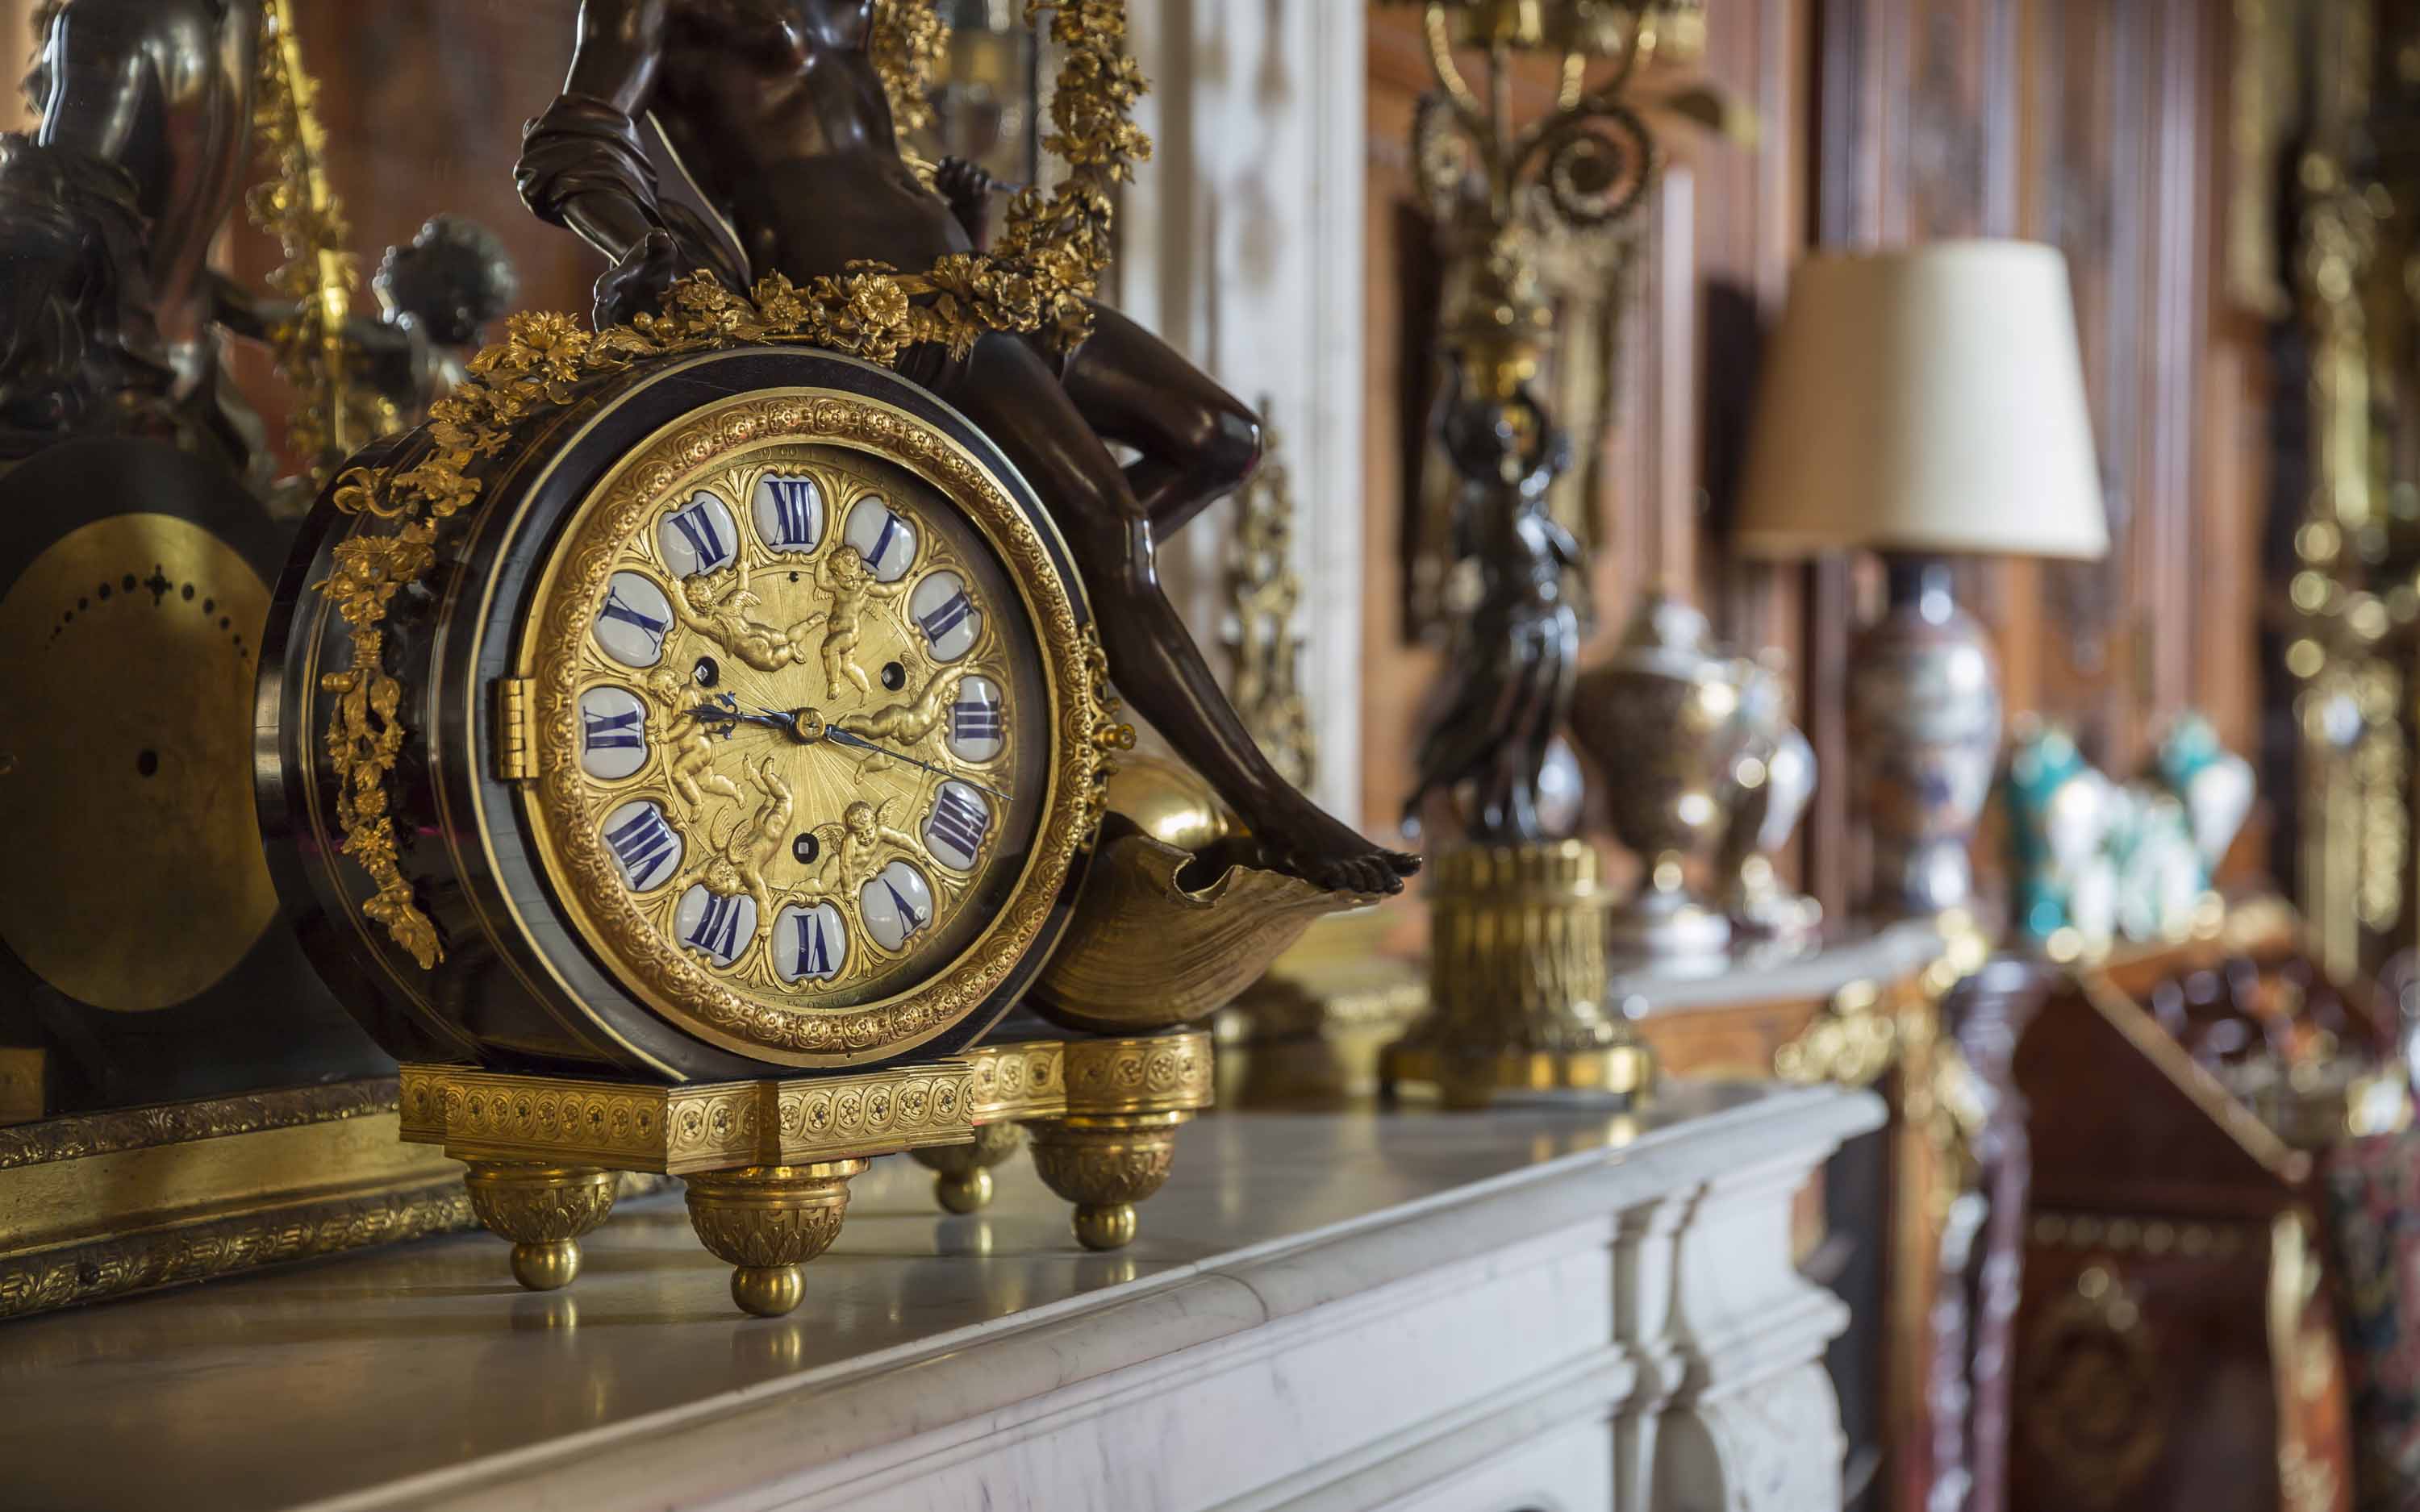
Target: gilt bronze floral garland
{"points": [[908, 41]]}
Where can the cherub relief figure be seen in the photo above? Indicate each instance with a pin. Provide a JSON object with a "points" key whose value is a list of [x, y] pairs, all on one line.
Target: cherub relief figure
{"points": [[716, 606], [740, 857], [850, 583], [856, 841], [688, 740], [907, 723], [777, 114]]}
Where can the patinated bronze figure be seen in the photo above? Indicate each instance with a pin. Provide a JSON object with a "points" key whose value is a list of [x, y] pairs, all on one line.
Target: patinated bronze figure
{"points": [[1514, 665], [110, 312], [107, 212], [777, 112]]}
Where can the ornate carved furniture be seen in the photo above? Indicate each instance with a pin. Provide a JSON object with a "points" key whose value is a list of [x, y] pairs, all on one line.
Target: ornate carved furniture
{"points": [[1964, 1466], [2176, 1344]]}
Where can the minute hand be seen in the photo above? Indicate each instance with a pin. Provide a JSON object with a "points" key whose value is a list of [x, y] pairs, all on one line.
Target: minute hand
{"points": [[839, 736]]}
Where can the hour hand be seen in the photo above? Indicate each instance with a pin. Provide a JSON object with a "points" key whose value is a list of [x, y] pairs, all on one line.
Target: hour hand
{"points": [[725, 711]]}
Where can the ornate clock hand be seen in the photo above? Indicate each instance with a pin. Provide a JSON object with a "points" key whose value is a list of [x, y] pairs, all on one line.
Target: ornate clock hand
{"points": [[729, 715], [840, 736]]}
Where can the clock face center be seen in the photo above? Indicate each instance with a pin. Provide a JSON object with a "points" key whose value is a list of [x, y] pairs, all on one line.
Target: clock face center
{"points": [[806, 726]]}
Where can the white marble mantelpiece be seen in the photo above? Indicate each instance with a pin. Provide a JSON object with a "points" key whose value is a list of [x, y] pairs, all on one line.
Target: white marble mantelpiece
{"points": [[1766, 972], [1542, 1308]]}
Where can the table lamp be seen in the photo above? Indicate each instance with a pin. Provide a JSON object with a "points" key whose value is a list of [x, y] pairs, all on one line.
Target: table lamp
{"points": [[1924, 404]]}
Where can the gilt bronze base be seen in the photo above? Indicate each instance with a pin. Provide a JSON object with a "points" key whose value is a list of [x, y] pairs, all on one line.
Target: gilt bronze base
{"points": [[1517, 982], [1101, 1115], [768, 1162]]}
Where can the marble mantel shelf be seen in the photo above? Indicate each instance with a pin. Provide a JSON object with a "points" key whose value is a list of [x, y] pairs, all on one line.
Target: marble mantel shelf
{"points": [[1438, 1293]]}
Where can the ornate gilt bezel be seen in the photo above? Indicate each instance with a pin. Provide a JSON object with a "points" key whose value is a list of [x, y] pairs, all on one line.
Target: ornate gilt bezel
{"points": [[588, 887]]}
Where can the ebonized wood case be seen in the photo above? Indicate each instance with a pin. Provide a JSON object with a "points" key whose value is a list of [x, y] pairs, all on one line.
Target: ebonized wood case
{"points": [[521, 986]]}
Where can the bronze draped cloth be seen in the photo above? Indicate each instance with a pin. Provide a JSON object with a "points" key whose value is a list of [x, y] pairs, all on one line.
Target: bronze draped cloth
{"points": [[586, 145], [79, 346]]}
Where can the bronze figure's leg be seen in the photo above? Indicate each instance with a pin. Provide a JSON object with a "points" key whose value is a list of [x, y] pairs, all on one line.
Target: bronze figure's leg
{"points": [[1198, 443], [1006, 388]]}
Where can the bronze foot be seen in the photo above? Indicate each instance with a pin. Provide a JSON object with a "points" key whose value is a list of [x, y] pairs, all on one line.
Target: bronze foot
{"points": [[965, 1182], [543, 1210], [1105, 1164], [767, 1221]]}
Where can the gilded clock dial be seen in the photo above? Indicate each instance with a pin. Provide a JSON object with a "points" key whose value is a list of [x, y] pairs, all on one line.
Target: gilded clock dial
{"points": [[813, 725]]}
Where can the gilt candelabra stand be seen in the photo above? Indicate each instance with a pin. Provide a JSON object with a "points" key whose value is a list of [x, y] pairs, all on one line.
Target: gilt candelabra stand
{"points": [[1518, 971]]}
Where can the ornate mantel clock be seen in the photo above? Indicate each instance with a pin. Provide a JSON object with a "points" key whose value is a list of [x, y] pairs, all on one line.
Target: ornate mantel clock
{"points": [[758, 714], [692, 739], [751, 728]]}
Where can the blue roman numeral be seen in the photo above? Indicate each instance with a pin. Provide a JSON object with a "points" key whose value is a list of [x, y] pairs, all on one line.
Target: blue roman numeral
{"points": [[648, 624], [959, 821], [645, 845], [612, 732], [882, 542], [794, 511], [717, 929], [814, 952], [947, 617], [974, 720], [698, 526], [907, 910]]}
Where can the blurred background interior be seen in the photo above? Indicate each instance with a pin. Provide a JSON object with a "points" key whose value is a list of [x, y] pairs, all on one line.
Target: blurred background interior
{"points": [[1971, 452]]}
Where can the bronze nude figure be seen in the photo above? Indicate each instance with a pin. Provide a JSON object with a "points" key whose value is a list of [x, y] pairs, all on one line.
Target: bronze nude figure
{"points": [[107, 212], [112, 317], [1515, 664], [777, 114]]}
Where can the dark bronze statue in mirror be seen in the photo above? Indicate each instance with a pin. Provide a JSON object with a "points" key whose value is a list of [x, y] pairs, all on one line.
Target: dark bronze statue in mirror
{"points": [[781, 113], [149, 113], [107, 212]]}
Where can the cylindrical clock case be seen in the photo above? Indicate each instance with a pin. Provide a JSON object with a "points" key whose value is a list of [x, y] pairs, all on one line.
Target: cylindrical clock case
{"points": [[519, 987]]}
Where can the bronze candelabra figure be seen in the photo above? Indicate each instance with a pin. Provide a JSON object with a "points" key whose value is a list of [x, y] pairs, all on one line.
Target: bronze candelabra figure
{"points": [[1518, 963]]}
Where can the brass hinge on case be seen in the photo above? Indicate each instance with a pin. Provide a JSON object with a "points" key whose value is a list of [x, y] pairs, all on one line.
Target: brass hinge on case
{"points": [[516, 729]]}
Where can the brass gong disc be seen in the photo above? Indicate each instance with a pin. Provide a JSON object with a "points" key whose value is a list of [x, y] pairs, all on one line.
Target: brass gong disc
{"points": [[127, 653]]}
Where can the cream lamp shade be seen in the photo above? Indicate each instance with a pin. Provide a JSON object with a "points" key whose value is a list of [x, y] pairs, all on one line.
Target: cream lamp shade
{"points": [[1929, 400]]}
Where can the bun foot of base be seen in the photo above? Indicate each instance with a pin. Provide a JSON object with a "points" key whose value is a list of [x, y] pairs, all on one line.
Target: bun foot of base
{"points": [[767, 1221], [965, 1193], [768, 1291], [1105, 1165], [965, 1184], [1105, 1226], [546, 1267], [543, 1210]]}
